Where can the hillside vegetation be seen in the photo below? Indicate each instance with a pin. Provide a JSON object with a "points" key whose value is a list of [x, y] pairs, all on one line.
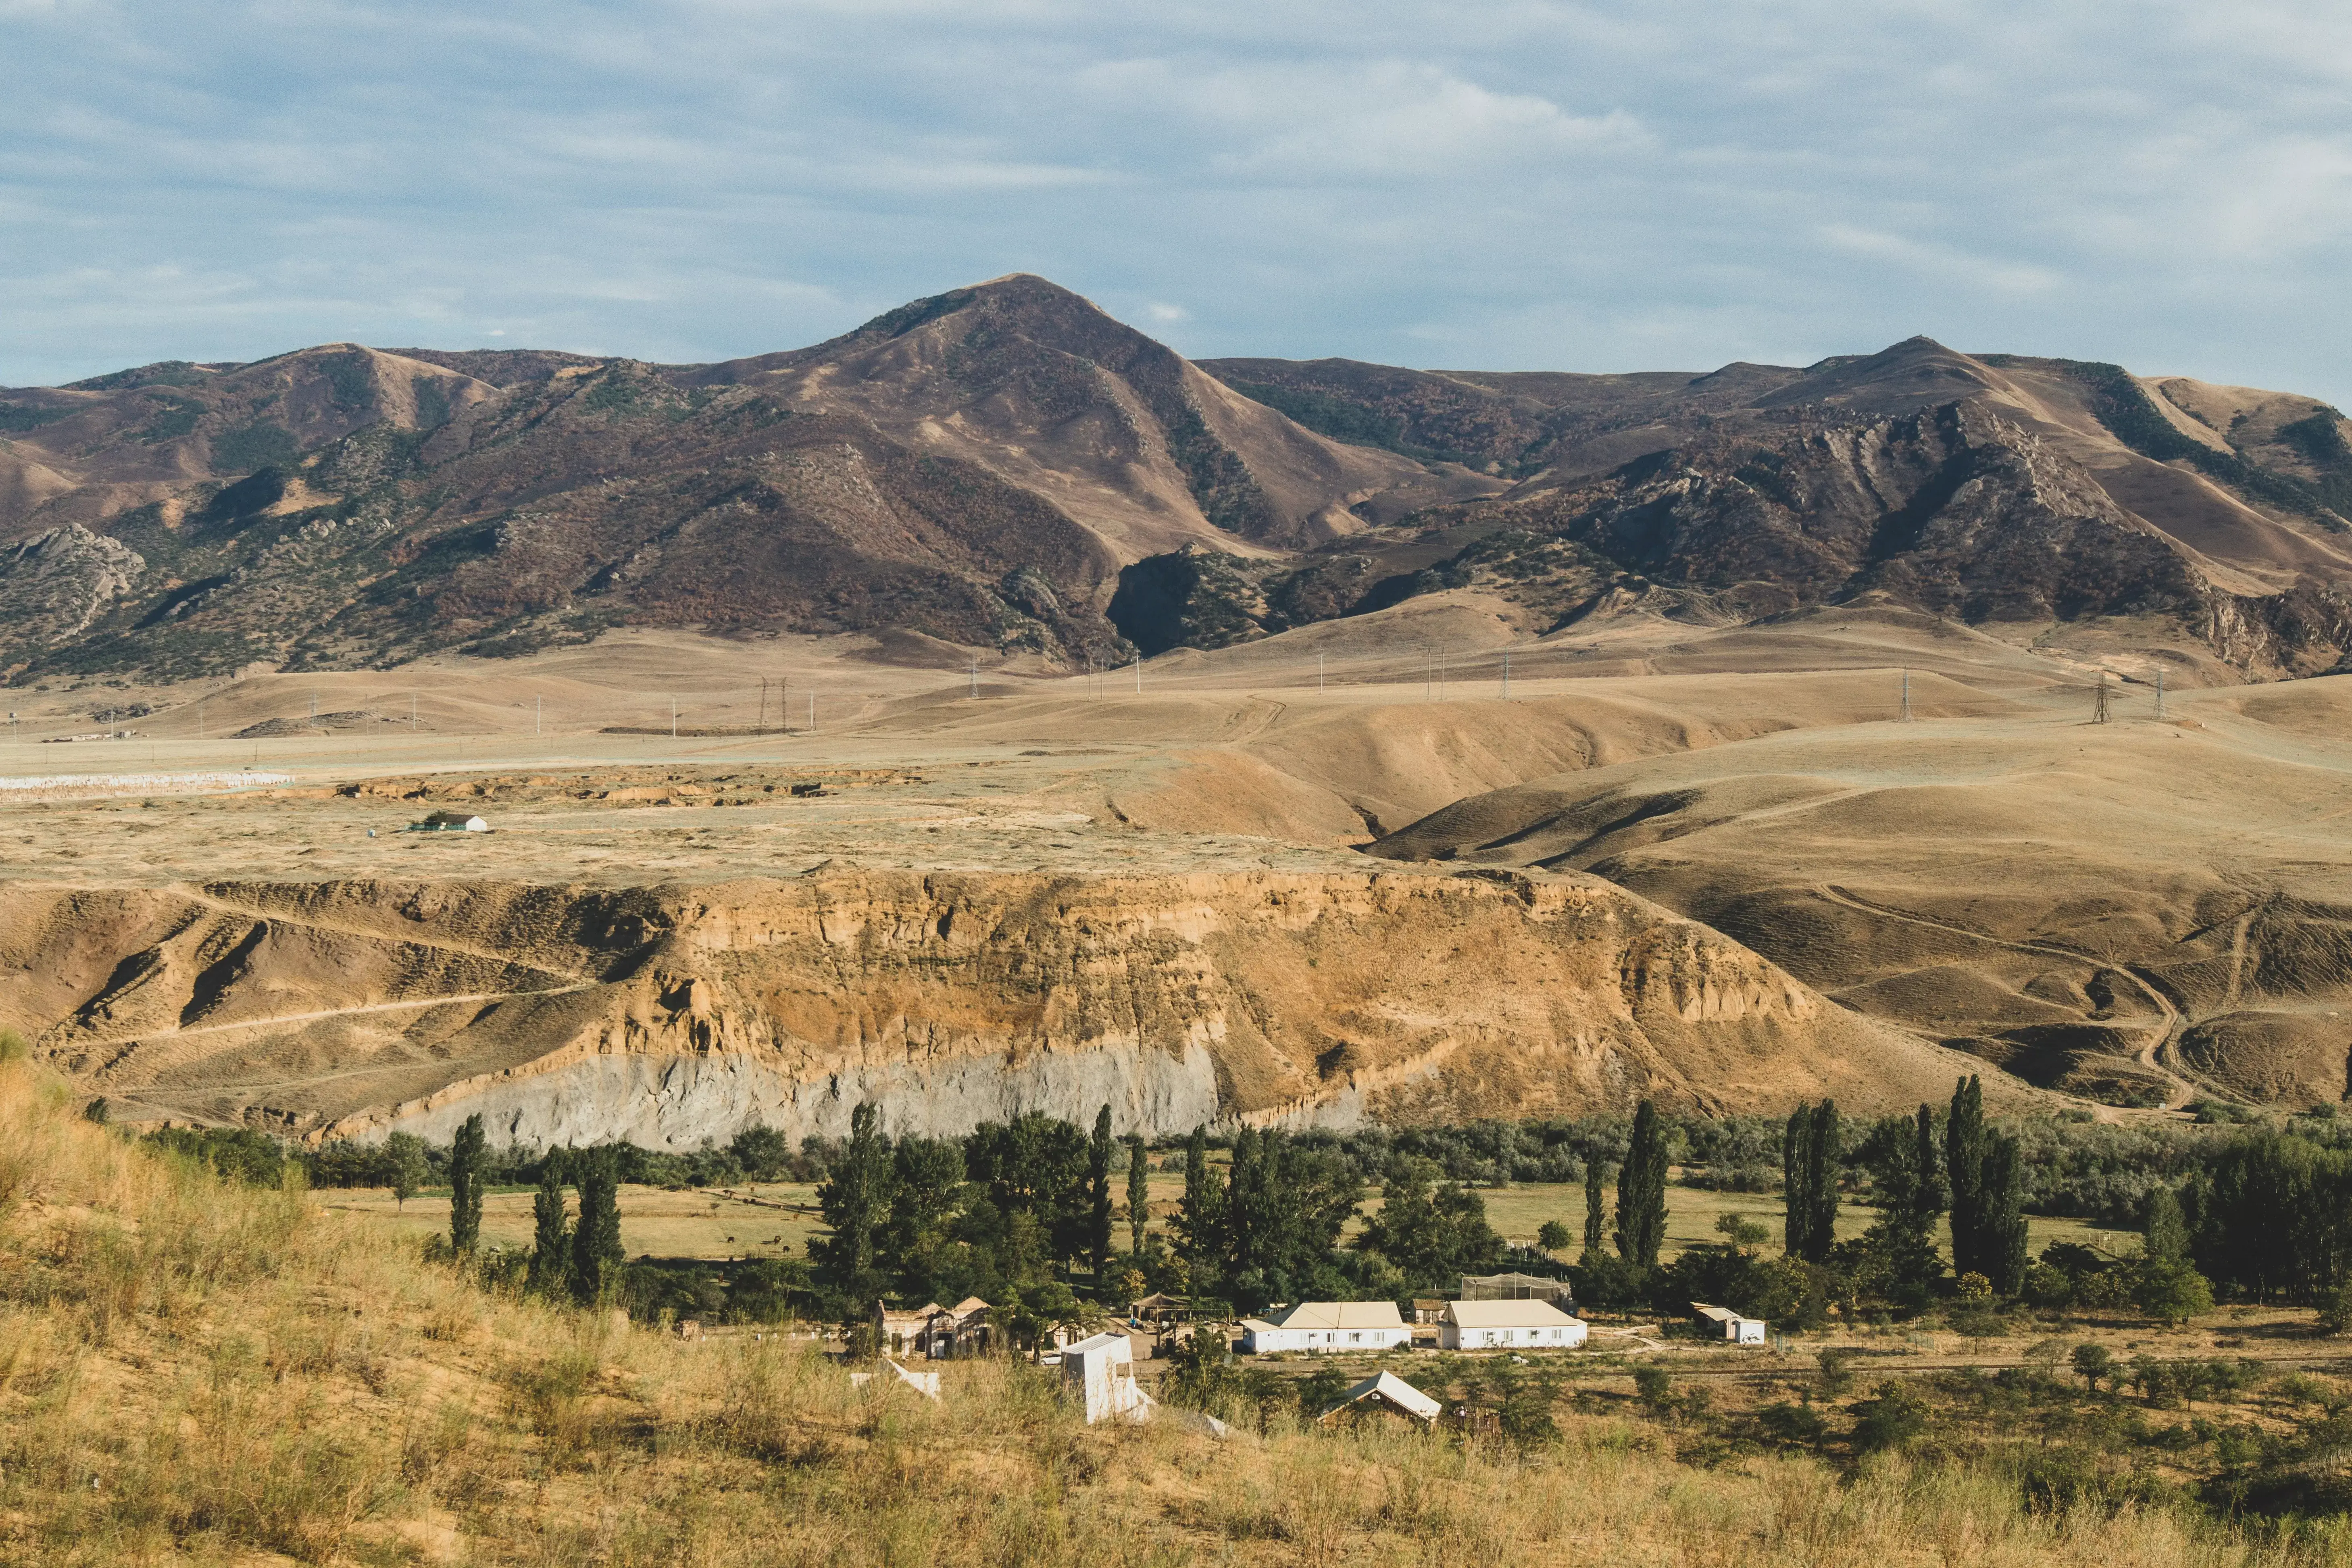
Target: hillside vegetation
{"points": [[190, 1372]]}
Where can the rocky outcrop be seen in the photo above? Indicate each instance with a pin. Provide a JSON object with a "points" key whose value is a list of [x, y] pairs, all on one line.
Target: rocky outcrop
{"points": [[54, 585], [672, 1015]]}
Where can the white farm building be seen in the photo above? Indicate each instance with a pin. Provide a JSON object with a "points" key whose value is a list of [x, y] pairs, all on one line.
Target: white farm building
{"points": [[1496, 1325], [1733, 1328], [1325, 1326]]}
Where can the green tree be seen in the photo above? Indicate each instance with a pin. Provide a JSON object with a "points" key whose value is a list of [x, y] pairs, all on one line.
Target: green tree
{"points": [[1200, 1215], [1964, 1154], [2001, 1235], [2165, 1231], [1596, 1174], [405, 1169], [1642, 1191], [765, 1154], [1739, 1232], [1810, 1157], [2093, 1362], [2174, 1292], [550, 1250], [1553, 1237], [1795, 1165], [1098, 1216], [854, 1200], [1430, 1230], [927, 1198], [596, 1253], [1036, 1164], [1899, 1248], [1139, 1193], [1892, 1419], [466, 1155], [1822, 1161]]}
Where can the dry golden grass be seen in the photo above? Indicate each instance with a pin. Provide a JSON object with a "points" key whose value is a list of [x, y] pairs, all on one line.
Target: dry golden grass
{"points": [[196, 1373]]}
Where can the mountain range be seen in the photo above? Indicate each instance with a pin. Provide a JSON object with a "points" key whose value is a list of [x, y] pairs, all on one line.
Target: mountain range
{"points": [[1006, 469]]}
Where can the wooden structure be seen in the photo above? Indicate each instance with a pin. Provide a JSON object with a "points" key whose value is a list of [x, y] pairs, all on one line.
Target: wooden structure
{"points": [[1386, 1393]]}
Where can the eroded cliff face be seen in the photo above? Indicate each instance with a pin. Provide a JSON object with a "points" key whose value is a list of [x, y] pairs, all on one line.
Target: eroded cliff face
{"points": [[671, 1015]]}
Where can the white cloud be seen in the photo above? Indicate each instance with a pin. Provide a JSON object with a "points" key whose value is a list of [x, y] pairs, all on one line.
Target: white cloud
{"points": [[1534, 183]]}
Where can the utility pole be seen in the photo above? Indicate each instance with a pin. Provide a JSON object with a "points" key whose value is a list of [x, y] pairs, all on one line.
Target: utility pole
{"points": [[2159, 691], [812, 723], [314, 709], [1507, 674], [1318, 672], [1441, 674], [1907, 696], [538, 712], [673, 718], [2099, 712], [1139, 672], [783, 698], [975, 679]]}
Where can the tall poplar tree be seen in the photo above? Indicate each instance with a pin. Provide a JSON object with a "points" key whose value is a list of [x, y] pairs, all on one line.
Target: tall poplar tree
{"points": [[466, 1152], [1098, 1216], [1822, 1182], [1642, 1191], [854, 1200], [1201, 1217], [596, 1253], [1139, 1193], [2002, 1243], [1796, 1163], [550, 1250], [1596, 1175], [1964, 1155]]}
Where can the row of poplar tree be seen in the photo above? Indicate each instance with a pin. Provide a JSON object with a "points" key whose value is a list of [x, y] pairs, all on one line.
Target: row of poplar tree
{"points": [[1973, 1171], [578, 1258]]}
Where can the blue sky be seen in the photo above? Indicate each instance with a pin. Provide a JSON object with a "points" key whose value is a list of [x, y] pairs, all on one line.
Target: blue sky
{"points": [[1512, 185]]}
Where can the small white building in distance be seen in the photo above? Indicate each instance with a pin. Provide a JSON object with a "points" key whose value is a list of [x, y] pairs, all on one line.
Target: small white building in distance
{"points": [[1735, 1329], [1513, 1325], [1325, 1326], [1100, 1372], [450, 822]]}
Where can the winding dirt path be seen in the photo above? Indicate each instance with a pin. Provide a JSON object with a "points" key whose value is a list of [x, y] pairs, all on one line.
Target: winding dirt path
{"points": [[2156, 1053]]}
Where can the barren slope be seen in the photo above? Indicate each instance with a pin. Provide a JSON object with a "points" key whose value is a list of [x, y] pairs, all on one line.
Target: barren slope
{"points": [[2137, 908]]}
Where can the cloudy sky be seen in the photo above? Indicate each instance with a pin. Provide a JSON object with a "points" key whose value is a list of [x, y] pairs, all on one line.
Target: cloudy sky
{"points": [[1510, 185]]}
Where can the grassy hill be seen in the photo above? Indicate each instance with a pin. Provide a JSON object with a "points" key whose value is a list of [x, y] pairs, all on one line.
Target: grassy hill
{"points": [[193, 1371]]}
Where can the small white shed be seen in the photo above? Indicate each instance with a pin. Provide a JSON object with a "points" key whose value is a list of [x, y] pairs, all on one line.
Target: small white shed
{"points": [[1512, 1325], [1100, 1373], [1735, 1329], [1323, 1327], [450, 822]]}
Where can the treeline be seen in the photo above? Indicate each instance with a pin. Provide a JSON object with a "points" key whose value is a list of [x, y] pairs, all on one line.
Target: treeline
{"points": [[404, 1160], [1915, 1170]]}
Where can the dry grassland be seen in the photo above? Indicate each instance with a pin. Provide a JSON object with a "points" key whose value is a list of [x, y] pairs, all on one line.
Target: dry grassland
{"points": [[193, 1373]]}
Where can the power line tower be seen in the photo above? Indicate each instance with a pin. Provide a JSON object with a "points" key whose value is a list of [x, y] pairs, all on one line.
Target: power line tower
{"points": [[2159, 691], [1907, 696], [2099, 714], [1507, 674]]}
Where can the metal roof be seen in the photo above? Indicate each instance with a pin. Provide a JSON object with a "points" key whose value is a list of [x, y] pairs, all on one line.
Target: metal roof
{"points": [[1340, 1315], [1505, 1315], [1393, 1390]]}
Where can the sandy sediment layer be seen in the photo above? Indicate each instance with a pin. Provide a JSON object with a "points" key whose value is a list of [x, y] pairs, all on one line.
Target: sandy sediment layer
{"points": [[677, 1012]]}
